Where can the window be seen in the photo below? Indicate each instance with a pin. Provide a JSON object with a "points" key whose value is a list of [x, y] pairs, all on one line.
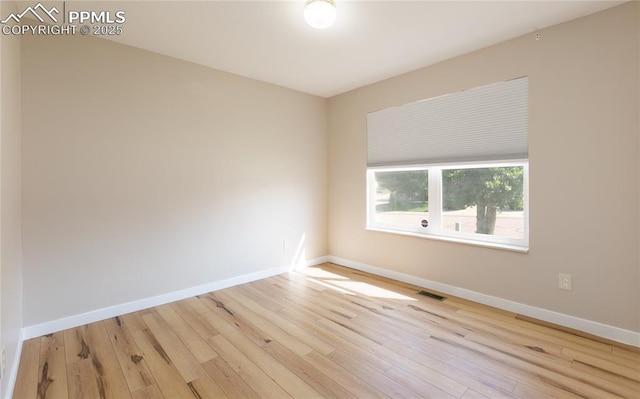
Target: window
{"points": [[476, 203], [453, 167]]}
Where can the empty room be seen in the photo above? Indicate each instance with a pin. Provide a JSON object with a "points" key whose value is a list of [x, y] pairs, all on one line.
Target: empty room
{"points": [[320, 199]]}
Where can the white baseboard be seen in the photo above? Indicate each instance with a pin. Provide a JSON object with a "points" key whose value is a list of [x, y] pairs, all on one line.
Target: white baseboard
{"points": [[602, 330], [52, 326], [13, 371], [313, 262]]}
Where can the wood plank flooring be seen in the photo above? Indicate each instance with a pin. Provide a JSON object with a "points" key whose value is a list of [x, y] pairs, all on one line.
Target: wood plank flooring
{"points": [[327, 332]]}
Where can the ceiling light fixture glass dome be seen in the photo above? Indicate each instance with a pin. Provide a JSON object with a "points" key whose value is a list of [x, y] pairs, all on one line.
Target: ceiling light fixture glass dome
{"points": [[320, 13]]}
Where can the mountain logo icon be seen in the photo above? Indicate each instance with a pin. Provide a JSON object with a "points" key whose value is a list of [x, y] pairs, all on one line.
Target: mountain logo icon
{"points": [[35, 12]]}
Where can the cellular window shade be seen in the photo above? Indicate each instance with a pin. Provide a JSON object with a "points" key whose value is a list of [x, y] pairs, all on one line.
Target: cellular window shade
{"points": [[487, 123]]}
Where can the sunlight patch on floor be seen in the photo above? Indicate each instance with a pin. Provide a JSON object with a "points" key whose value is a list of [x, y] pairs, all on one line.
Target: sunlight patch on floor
{"points": [[320, 273], [345, 285], [331, 285], [371, 290]]}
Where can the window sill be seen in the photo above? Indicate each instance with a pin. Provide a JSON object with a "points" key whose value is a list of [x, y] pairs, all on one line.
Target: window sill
{"points": [[455, 240]]}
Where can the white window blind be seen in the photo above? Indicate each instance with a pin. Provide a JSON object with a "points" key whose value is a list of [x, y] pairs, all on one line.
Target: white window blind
{"points": [[482, 124]]}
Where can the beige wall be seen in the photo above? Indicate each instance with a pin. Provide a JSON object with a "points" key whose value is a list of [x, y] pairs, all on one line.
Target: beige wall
{"points": [[144, 174], [10, 199], [584, 171], [638, 115]]}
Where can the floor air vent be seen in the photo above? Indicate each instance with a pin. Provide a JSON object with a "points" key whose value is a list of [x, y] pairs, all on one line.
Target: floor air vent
{"points": [[431, 295]]}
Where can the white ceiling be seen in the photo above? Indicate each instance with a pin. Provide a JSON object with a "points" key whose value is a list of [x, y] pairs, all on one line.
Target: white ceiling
{"points": [[370, 41]]}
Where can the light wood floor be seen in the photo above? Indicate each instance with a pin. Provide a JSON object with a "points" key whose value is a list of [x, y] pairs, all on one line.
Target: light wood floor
{"points": [[330, 332]]}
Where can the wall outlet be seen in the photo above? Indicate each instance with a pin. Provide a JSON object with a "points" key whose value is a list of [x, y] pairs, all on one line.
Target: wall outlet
{"points": [[285, 245], [564, 282]]}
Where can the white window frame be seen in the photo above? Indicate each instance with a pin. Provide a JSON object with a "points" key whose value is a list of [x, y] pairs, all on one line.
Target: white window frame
{"points": [[434, 230]]}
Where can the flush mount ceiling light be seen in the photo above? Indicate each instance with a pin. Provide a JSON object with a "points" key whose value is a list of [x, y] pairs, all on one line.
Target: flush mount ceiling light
{"points": [[320, 13]]}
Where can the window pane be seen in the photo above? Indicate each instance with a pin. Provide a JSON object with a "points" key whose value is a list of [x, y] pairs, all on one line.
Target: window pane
{"points": [[402, 199], [484, 201]]}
